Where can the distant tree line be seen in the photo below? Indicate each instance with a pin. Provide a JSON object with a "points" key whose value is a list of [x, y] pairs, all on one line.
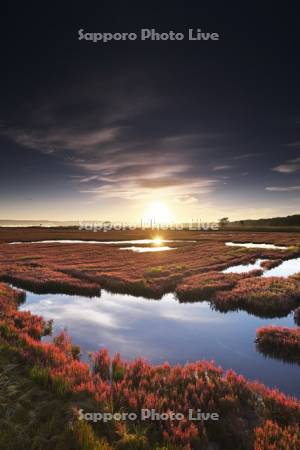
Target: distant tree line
{"points": [[292, 221]]}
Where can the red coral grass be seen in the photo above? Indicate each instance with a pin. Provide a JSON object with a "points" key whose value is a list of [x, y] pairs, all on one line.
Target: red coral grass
{"points": [[118, 386], [270, 436], [279, 342], [267, 297]]}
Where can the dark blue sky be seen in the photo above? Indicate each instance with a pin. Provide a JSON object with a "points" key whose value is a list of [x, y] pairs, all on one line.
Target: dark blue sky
{"points": [[93, 130]]}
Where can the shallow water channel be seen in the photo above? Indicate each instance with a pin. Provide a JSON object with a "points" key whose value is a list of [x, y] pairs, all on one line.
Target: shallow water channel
{"points": [[255, 245], [155, 245], [284, 269], [166, 330]]}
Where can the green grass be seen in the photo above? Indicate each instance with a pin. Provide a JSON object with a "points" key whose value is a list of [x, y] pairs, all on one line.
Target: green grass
{"points": [[31, 417]]}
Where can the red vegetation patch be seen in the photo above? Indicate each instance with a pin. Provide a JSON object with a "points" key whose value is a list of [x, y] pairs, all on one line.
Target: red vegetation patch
{"points": [[266, 297], [203, 286], [46, 280], [81, 268], [279, 342], [12, 295], [132, 386], [271, 436], [270, 263], [11, 318]]}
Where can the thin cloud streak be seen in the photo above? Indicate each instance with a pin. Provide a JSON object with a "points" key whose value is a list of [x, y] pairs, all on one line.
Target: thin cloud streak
{"points": [[283, 188], [223, 167], [291, 166], [115, 162]]}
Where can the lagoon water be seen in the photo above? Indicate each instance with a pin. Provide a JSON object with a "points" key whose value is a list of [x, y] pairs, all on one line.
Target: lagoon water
{"points": [[159, 248], [165, 329], [146, 241], [156, 244], [243, 268], [284, 269], [79, 241], [254, 245]]}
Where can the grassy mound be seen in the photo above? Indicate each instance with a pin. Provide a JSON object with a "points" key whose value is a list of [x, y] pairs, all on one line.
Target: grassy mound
{"points": [[279, 342]]}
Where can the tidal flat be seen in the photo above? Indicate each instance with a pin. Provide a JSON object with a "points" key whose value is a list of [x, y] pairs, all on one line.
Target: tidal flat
{"points": [[102, 326]]}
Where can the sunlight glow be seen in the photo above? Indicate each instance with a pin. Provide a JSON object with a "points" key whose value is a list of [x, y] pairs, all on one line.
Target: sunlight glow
{"points": [[158, 213], [157, 240]]}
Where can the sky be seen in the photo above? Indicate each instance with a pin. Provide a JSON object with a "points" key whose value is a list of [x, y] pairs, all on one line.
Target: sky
{"points": [[104, 131]]}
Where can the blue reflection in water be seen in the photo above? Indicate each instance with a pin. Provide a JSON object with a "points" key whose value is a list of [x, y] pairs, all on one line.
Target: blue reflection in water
{"points": [[161, 330], [284, 269]]}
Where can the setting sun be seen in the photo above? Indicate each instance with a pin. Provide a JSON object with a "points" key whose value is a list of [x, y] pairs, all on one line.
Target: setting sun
{"points": [[157, 240], [158, 213]]}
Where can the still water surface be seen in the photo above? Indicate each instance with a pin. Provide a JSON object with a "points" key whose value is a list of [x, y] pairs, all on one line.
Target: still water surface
{"points": [[254, 245], [284, 269], [165, 329]]}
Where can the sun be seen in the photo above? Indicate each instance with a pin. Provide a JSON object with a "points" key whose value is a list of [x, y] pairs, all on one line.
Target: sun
{"points": [[158, 213], [157, 240]]}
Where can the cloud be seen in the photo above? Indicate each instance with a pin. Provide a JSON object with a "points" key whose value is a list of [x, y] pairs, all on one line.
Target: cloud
{"points": [[283, 188], [122, 162], [56, 139], [113, 146], [247, 155], [128, 162], [291, 166], [223, 167], [135, 189], [185, 199]]}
